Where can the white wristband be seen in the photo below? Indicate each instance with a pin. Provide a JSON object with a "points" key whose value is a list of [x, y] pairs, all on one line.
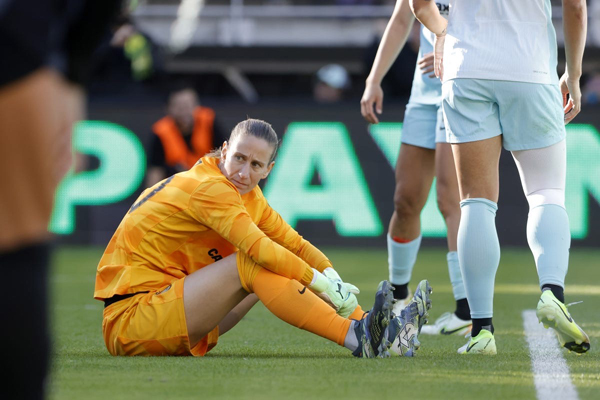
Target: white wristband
{"points": [[319, 282]]}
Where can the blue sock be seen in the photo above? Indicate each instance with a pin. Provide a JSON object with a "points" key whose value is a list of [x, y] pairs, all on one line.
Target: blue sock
{"points": [[458, 287], [401, 259], [549, 238], [479, 254]]}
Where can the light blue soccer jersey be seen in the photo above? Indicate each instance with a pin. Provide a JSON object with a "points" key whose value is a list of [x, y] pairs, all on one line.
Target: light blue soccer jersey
{"points": [[426, 90], [500, 74], [509, 40]]}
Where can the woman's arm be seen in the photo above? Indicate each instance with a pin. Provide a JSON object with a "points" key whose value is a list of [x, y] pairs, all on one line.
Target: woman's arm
{"points": [[281, 232], [427, 13], [393, 40], [218, 205], [575, 29]]}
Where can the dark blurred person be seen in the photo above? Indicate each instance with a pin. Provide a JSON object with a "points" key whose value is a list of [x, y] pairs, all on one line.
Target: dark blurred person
{"points": [[182, 137], [45, 47], [136, 47], [127, 62], [591, 89], [331, 83]]}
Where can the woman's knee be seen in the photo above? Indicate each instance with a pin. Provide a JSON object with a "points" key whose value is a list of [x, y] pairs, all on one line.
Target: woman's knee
{"points": [[408, 203], [448, 199]]}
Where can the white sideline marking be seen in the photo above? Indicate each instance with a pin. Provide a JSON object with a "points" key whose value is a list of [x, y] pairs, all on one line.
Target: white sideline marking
{"points": [[550, 371]]}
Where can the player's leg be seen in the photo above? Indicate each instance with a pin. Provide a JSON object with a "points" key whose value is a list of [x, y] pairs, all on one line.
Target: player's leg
{"points": [[471, 117], [535, 133], [219, 283], [543, 173], [209, 295], [448, 198], [234, 316], [25, 376], [295, 304], [414, 175], [186, 316], [537, 142], [448, 201], [458, 322], [477, 243], [181, 318], [34, 155]]}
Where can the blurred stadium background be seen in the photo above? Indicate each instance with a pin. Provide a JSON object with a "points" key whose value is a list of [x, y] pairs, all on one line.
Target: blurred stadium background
{"points": [[333, 180], [259, 58]]}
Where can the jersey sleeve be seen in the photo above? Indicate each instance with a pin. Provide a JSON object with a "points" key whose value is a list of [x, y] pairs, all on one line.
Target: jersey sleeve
{"points": [[274, 226], [218, 205]]}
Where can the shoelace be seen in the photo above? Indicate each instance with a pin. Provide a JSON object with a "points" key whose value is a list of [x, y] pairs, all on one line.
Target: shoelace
{"points": [[574, 303]]}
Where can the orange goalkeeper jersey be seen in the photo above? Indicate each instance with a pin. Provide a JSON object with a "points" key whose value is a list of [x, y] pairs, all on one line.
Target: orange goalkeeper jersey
{"points": [[193, 219]]}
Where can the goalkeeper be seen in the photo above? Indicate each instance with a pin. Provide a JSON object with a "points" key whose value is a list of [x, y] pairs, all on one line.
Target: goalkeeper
{"points": [[197, 250]]}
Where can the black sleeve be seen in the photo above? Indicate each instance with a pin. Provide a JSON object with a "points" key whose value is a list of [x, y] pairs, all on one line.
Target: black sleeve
{"points": [[156, 153], [25, 27], [60, 33], [84, 35]]}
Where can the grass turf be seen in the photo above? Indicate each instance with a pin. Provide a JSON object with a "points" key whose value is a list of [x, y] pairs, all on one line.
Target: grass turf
{"points": [[263, 358]]}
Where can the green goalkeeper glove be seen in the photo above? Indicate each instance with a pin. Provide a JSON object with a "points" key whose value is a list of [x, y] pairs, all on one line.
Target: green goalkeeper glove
{"points": [[338, 294]]}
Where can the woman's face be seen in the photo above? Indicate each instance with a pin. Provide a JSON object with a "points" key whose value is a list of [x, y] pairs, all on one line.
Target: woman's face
{"points": [[245, 161]]}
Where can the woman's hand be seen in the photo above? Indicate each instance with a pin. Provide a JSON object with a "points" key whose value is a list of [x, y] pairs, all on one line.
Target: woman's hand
{"points": [[571, 92], [373, 95], [426, 64], [438, 54]]}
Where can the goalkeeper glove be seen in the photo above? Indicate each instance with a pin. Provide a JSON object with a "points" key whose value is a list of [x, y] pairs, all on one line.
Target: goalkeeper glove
{"points": [[338, 294]]}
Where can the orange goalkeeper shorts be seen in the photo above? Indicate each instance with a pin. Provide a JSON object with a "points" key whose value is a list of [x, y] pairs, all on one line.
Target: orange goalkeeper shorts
{"points": [[152, 324]]}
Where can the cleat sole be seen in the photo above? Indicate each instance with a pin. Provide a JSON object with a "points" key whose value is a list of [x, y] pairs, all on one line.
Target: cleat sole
{"points": [[568, 337]]}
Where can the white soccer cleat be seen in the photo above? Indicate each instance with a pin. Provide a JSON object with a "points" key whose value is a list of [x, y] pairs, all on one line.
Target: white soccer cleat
{"points": [[448, 324]]}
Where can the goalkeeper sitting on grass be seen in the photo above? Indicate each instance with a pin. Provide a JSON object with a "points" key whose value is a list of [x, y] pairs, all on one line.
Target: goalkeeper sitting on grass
{"points": [[197, 250]]}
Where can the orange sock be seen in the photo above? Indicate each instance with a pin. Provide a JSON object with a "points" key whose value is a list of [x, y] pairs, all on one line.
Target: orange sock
{"points": [[357, 314], [298, 306]]}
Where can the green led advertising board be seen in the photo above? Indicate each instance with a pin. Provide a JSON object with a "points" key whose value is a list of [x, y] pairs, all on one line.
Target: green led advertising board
{"points": [[317, 176], [322, 148], [121, 170]]}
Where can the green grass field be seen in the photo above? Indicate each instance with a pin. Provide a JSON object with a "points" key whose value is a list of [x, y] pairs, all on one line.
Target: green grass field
{"points": [[264, 358]]}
